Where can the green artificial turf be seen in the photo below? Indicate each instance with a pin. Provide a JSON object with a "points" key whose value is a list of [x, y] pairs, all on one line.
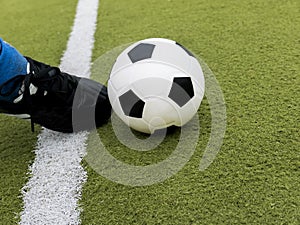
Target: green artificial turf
{"points": [[16, 145], [253, 48], [40, 30]]}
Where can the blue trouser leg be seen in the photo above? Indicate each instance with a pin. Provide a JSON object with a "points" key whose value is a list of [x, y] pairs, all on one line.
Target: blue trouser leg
{"points": [[12, 64]]}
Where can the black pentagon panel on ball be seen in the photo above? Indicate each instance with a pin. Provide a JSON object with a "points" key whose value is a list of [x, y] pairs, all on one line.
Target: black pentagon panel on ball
{"points": [[131, 104], [140, 52], [182, 90], [185, 49]]}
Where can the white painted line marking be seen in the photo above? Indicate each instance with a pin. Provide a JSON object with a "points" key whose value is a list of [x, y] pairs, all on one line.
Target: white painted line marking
{"points": [[54, 188]]}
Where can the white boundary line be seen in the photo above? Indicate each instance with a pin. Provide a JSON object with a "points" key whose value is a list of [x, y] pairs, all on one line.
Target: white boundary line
{"points": [[56, 176]]}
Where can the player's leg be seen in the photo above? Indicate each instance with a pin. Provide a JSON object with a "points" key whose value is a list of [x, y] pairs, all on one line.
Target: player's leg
{"points": [[49, 96], [12, 65]]}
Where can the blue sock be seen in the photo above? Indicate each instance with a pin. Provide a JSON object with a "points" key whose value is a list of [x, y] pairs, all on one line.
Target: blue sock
{"points": [[12, 64]]}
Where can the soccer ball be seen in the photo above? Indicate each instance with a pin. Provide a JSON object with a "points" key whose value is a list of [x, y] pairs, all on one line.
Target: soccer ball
{"points": [[155, 83]]}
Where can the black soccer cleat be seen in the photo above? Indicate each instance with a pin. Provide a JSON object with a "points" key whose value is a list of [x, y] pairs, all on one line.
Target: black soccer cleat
{"points": [[60, 101]]}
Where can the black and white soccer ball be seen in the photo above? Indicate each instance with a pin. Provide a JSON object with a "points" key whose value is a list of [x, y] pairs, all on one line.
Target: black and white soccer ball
{"points": [[156, 83]]}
